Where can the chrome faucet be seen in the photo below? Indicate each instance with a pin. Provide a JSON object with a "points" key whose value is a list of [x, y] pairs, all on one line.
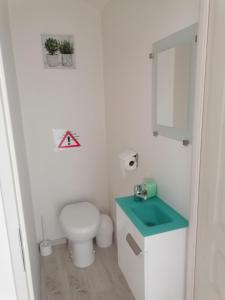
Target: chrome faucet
{"points": [[140, 190]]}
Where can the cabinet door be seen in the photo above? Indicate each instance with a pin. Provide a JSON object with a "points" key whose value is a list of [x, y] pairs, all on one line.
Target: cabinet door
{"points": [[130, 243], [165, 267]]}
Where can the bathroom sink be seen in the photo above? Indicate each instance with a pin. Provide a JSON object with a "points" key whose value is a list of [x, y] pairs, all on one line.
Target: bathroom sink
{"points": [[151, 216]]}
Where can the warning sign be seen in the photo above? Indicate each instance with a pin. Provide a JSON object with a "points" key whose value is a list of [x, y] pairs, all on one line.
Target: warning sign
{"points": [[68, 141], [65, 139]]}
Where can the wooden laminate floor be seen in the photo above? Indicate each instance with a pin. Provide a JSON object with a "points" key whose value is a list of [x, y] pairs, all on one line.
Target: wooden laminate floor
{"points": [[103, 280]]}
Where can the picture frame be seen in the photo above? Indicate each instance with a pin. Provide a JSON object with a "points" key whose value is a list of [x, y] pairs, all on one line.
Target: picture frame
{"points": [[58, 51]]}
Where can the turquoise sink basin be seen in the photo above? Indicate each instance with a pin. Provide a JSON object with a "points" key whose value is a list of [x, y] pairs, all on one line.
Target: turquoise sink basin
{"points": [[151, 216]]}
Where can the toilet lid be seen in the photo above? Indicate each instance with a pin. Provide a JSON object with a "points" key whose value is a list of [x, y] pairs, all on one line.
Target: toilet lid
{"points": [[80, 216]]}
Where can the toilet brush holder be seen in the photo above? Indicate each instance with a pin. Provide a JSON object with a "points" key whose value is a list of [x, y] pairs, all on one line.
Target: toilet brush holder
{"points": [[45, 248]]}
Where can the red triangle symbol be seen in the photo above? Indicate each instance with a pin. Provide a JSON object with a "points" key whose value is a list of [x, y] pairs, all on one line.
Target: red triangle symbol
{"points": [[68, 141]]}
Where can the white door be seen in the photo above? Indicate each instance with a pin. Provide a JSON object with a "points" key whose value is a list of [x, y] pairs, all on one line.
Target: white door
{"points": [[7, 284], [8, 211], [210, 259]]}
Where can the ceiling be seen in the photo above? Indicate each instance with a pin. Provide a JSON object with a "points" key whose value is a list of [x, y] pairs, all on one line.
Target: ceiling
{"points": [[99, 4]]}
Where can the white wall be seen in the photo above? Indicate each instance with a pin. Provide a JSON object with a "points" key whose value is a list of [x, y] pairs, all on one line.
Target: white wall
{"points": [[18, 163], [129, 29], [72, 99]]}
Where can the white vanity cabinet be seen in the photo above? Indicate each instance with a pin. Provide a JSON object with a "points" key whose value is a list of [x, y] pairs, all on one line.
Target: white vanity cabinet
{"points": [[154, 266], [131, 265]]}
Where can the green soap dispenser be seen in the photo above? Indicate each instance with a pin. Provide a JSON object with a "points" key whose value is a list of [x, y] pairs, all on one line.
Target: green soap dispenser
{"points": [[151, 187]]}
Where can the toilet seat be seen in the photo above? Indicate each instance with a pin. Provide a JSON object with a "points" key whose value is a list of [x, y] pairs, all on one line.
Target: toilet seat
{"points": [[80, 221]]}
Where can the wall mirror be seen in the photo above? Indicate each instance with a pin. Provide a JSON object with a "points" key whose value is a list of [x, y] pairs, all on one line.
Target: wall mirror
{"points": [[174, 62]]}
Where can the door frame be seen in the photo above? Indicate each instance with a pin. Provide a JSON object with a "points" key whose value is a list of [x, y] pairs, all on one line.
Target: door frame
{"points": [[12, 207], [196, 152], [7, 282], [196, 146]]}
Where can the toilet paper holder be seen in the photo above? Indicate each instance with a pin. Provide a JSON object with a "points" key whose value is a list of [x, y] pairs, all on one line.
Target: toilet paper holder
{"points": [[128, 160]]}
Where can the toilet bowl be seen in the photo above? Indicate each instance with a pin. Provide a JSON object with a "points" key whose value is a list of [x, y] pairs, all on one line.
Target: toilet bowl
{"points": [[80, 222]]}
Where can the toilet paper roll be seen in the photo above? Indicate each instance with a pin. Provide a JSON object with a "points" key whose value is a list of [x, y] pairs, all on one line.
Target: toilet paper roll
{"points": [[45, 248], [128, 161], [130, 164]]}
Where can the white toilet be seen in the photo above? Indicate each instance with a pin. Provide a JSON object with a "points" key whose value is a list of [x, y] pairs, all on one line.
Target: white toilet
{"points": [[80, 222]]}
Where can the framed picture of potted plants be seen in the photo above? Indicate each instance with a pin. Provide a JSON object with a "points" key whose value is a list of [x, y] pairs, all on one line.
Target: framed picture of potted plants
{"points": [[58, 51]]}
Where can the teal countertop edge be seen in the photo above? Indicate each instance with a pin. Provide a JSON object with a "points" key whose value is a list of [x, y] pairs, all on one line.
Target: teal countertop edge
{"points": [[129, 202]]}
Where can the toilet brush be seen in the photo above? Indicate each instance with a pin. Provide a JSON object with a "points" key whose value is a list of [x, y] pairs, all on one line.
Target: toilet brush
{"points": [[45, 245]]}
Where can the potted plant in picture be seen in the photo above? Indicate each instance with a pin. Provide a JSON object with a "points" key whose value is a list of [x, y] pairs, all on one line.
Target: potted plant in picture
{"points": [[66, 49], [52, 57]]}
